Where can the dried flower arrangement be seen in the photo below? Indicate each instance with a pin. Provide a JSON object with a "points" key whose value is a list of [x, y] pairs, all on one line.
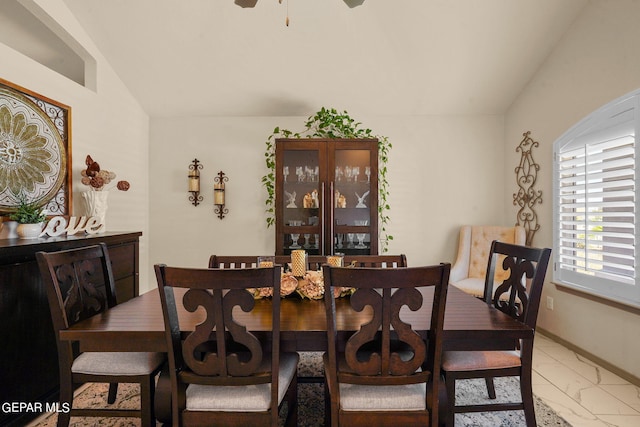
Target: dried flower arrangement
{"points": [[288, 284], [311, 286], [97, 178]]}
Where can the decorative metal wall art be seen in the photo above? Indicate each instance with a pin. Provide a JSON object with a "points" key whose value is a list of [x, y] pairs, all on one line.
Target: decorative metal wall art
{"points": [[527, 196], [35, 151]]}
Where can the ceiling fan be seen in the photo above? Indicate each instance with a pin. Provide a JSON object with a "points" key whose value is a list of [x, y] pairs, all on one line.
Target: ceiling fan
{"points": [[252, 3]]}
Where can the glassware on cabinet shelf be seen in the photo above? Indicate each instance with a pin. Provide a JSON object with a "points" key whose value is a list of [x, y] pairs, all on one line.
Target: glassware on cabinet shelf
{"points": [[285, 172], [355, 171], [350, 239], [340, 238], [367, 172], [294, 241], [316, 241], [299, 173], [361, 236], [348, 173], [295, 236], [339, 173], [311, 173], [306, 241]]}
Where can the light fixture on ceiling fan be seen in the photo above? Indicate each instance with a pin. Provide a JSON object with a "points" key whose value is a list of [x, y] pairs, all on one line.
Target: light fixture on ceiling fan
{"points": [[252, 3]]}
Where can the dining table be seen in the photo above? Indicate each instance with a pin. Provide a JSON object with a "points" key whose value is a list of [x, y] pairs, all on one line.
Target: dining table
{"points": [[138, 325]]}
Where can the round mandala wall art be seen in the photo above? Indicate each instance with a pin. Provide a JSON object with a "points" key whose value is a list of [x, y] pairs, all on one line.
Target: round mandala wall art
{"points": [[33, 161]]}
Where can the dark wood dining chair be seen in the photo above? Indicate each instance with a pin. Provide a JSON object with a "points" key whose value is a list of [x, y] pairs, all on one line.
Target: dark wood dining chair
{"points": [[314, 262], [79, 284], [220, 373], [233, 261], [527, 268], [386, 373], [377, 261]]}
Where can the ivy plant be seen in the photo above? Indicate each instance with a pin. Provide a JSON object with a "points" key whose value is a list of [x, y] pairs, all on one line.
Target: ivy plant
{"points": [[330, 123]]}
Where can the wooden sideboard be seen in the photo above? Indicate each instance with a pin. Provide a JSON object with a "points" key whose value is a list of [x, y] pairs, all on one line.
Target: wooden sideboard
{"points": [[28, 354]]}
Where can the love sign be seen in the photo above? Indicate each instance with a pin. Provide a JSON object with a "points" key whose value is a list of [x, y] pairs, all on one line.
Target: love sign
{"points": [[59, 225]]}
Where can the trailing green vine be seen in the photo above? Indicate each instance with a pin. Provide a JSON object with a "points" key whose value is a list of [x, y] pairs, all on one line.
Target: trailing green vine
{"points": [[329, 123]]}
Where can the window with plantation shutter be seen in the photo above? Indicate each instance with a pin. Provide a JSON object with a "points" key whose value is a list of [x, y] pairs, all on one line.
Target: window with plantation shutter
{"points": [[596, 203]]}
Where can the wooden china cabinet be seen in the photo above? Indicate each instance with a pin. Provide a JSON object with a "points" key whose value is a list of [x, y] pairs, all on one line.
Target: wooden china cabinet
{"points": [[327, 196]]}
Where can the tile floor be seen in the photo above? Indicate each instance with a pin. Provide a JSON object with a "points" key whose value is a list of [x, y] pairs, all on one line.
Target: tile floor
{"points": [[582, 392]]}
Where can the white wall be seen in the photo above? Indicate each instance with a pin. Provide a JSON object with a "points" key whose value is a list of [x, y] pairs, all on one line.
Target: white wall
{"points": [[108, 124], [444, 171], [596, 62]]}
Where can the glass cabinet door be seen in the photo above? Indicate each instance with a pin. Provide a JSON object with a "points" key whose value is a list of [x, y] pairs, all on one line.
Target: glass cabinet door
{"points": [[300, 201], [354, 198]]}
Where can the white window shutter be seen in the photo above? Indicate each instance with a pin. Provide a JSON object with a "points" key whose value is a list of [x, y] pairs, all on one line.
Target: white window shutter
{"points": [[596, 203]]}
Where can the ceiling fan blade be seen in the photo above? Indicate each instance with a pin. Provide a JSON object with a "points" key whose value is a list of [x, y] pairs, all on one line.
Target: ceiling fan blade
{"points": [[353, 3], [246, 3]]}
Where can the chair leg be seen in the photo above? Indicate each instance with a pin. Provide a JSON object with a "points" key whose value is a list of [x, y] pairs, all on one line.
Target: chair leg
{"points": [[491, 389], [66, 396], [292, 404], [450, 415], [147, 388], [527, 399], [113, 392], [327, 405]]}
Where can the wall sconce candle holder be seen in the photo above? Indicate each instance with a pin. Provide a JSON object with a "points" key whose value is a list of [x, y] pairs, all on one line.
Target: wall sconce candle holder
{"points": [[194, 182], [218, 194]]}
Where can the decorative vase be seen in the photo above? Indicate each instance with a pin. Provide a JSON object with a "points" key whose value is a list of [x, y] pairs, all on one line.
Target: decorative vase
{"points": [[96, 206], [29, 231], [8, 230]]}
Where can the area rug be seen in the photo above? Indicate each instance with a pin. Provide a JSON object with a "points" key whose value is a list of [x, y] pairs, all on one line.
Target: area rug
{"points": [[311, 402]]}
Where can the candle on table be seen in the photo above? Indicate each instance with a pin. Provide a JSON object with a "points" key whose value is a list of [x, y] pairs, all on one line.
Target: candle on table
{"points": [[335, 260], [266, 261], [299, 262]]}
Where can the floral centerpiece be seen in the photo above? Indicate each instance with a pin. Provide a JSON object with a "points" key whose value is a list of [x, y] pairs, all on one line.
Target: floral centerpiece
{"points": [[288, 285], [98, 179], [309, 286]]}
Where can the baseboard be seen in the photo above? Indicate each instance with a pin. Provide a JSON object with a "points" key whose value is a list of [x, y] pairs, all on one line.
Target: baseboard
{"points": [[608, 366]]}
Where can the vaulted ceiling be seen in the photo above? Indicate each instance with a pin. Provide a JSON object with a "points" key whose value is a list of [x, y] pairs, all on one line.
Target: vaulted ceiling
{"points": [[380, 57]]}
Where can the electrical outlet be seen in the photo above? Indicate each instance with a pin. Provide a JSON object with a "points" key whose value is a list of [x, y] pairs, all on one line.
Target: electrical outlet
{"points": [[549, 303]]}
